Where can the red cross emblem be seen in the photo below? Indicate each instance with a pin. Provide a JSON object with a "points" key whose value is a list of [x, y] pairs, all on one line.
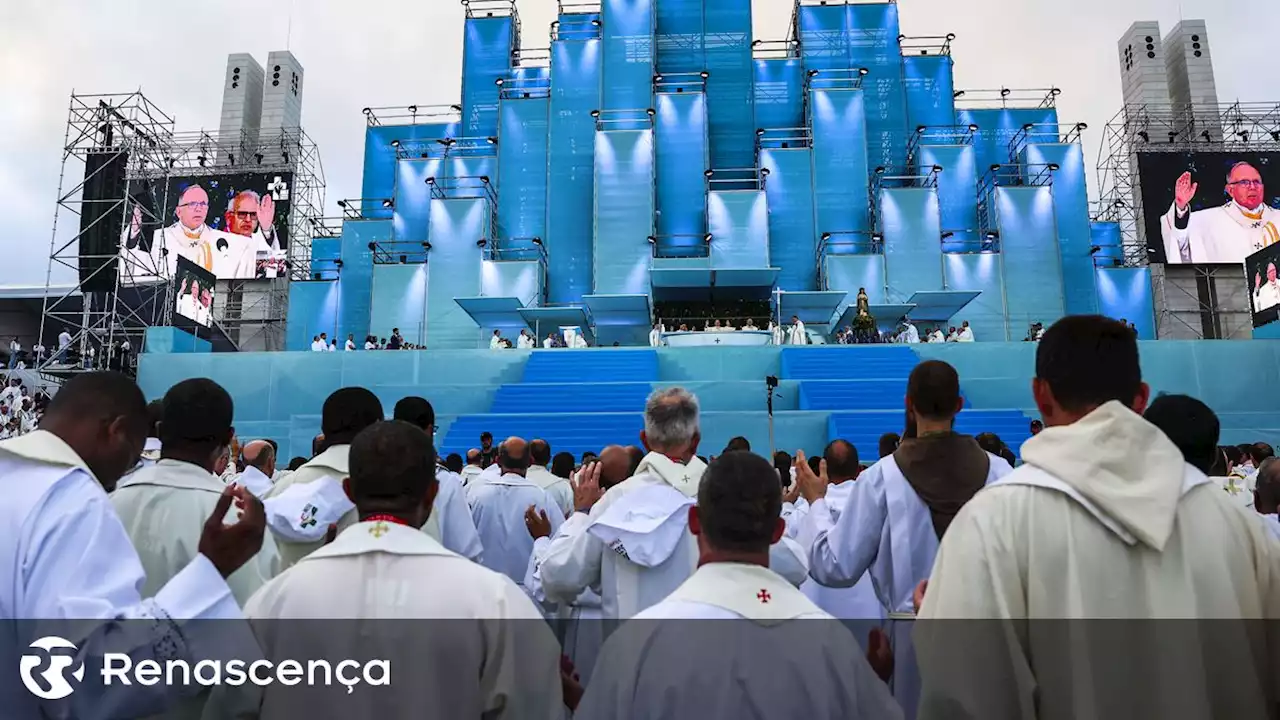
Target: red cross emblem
{"points": [[763, 595]]}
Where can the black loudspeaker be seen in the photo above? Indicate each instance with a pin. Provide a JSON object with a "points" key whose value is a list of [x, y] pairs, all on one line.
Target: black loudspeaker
{"points": [[102, 218]]}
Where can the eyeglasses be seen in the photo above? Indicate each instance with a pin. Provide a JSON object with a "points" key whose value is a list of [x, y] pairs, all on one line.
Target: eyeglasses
{"points": [[199, 205], [243, 214], [1248, 183]]}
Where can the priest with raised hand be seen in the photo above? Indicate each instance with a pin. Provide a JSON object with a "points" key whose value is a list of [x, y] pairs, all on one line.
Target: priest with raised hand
{"points": [[70, 570], [450, 521], [478, 648], [301, 507], [1105, 519], [772, 654], [899, 509], [633, 541], [499, 506]]}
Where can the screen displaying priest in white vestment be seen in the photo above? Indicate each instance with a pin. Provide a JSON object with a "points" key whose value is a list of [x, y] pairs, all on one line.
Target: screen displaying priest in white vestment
{"points": [[460, 640], [772, 654], [1225, 234], [1266, 294]]}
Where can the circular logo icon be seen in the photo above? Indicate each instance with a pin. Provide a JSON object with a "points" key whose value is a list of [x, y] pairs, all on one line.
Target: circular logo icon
{"points": [[51, 682]]}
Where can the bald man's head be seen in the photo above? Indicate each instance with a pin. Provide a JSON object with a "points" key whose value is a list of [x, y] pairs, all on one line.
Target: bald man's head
{"points": [[262, 455], [615, 465], [513, 456], [473, 457]]}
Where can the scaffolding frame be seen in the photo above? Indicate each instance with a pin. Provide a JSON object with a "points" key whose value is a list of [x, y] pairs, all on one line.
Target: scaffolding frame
{"points": [[132, 127]]}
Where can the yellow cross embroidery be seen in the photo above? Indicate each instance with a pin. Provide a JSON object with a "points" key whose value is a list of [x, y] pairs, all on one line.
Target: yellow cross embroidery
{"points": [[378, 530]]}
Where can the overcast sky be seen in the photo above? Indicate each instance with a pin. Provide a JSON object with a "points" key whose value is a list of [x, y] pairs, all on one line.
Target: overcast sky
{"points": [[361, 53]]}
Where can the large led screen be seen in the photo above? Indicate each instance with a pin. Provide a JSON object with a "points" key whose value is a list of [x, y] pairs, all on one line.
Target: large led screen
{"points": [[1264, 286]]}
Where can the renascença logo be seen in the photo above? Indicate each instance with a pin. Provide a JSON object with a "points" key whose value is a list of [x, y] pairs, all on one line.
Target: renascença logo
{"points": [[54, 676]]}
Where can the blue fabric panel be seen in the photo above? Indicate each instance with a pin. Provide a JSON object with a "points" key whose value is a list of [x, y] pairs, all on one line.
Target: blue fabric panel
{"points": [[824, 44], [486, 56], [313, 309], [872, 32], [929, 85], [912, 248], [980, 272], [851, 272], [730, 100], [1071, 208], [453, 271], [739, 222], [399, 301], [779, 93], [522, 171], [1106, 235], [682, 164], [379, 180], [623, 212], [1125, 294], [355, 281], [680, 36], [957, 193], [575, 92], [521, 279], [793, 240], [839, 160], [412, 214], [996, 129], [1032, 267], [628, 66]]}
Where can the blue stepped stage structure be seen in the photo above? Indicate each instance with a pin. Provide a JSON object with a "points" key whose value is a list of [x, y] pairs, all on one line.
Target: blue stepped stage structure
{"points": [[657, 151]]}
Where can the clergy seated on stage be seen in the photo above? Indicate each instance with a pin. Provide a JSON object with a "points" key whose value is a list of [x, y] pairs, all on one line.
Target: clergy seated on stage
{"points": [[301, 507], [750, 325], [450, 522], [498, 507], [916, 492], [966, 333], [1104, 520], [487, 652], [773, 653], [67, 557], [633, 541], [936, 336]]}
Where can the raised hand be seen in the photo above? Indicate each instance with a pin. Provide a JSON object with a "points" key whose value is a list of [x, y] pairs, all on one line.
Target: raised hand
{"points": [[812, 487], [266, 213], [229, 547], [536, 522], [587, 492], [1184, 191]]}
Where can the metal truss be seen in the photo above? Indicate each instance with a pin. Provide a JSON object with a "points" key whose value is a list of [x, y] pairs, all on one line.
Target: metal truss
{"points": [[1006, 175], [938, 135], [413, 115], [1006, 98], [775, 49], [923, 45]]}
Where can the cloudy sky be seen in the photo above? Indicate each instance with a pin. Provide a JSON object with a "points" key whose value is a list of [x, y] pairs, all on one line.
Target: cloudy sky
{"points": [[361, 53]]}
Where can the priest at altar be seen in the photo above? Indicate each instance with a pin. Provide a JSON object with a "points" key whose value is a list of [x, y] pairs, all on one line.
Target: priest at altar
{"points": [[1225, 234]]}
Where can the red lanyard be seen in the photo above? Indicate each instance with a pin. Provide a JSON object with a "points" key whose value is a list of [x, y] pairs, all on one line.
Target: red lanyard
{"points": [[385, 518]]}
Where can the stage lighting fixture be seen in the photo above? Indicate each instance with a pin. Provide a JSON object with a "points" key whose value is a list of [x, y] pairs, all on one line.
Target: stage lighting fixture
{"points": [[368, 111], [901, 38], [863, 71], [491, 140], [597, 23], [704, 74], [404, 259], [555, 23], [319, 276], [877, 237], [948, 235], [231, 159], [373, 246], [920, 129], [481, 243], [426, 246], [342, 203], [1055, 91], [937, 168], [395, 143], [1173, 137], [709, 173], [388, 203], [1244, 135], [595, 113], [1054, 167], [413, 109], [1095, 250], [285, 156], [456, 108], [431, 181], [1275, 135], [1081, 127], [1119, 202], [813, 73], [484, 179], [337, 264], [172, 162], [651, 112], [764, 172], [537, 241], [973, 127], [880, 170], [757, 43], [424, 155], [957, 94], [657, 78], [258, 157], [652, 240], [826, 237], [1029, 127], [1005, 92], [1145, 137], [951, 36], [200, 159], [995, 168], [992, 235], [1207, 137], [707, 238]]}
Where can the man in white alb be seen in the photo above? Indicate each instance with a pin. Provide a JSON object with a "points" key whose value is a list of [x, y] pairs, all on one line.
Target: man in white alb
{"points": [[796, 335], [1225, 234], [1266, 295], [774, 654], [1105, 519], [655, 335], [966, 333], [936, 336], [910, 335], [526, 340], [65, 556], [223, 254], [259, 458], [317, 345], [498, 507], [558, 489], [478, 648], [634, 542], [495, 342]]}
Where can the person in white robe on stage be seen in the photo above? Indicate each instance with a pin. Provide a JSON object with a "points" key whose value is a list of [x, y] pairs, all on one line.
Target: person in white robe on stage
{"points": [[557, 488], [450, 521], [525, 340], [463, 640], [796, 334], [498, 507], [579, 341], [71, 571], [777, 332], [910, 335], [1227, 234], [774, 653], [936, 336], [345, 413], [899, 508], [1104, 519], [495, 342], [966, 332], [633, 542]]}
